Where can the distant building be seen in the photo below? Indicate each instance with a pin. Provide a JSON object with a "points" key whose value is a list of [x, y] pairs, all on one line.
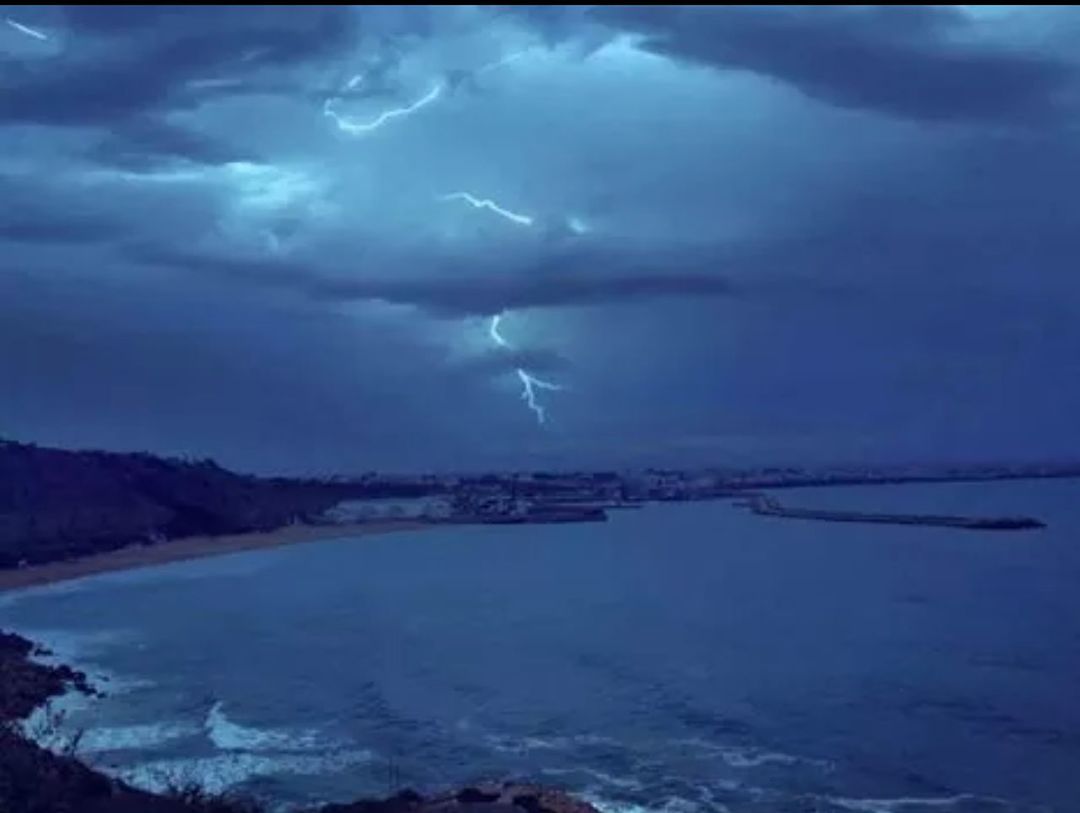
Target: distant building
{"points": [[351, 511]]}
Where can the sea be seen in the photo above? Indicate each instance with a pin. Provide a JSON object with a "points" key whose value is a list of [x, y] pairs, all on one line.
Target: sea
{"points": [[679, 658]]}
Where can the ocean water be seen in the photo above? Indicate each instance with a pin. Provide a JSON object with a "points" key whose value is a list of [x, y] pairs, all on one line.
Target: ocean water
{"points": [[678, 658]]}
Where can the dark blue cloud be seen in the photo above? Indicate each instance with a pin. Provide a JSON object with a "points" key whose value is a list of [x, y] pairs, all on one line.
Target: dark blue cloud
{"points": [[568, 279], [197, 259], [149, 57], [906, 61], [47, 227], [31, 215], [142, 144]]}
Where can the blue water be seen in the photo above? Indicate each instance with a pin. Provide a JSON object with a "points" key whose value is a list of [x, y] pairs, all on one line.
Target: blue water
{"points": [[684, 657]]}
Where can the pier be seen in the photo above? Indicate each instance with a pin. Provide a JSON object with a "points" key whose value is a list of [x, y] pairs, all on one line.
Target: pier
{"points": [[764, 505]]}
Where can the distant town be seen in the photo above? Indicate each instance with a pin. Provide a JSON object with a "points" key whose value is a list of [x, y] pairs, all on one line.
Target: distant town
{"points": [[59, 505], [589, 495]]}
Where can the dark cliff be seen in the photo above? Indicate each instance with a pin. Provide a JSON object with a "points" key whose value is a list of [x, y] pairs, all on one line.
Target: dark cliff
{"points": [[57, 504]]}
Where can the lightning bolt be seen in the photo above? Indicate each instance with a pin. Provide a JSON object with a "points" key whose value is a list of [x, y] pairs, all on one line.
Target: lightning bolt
{"points": [[25, 29], [491, 206], [529, 383], [359, 127], [493, 332]]}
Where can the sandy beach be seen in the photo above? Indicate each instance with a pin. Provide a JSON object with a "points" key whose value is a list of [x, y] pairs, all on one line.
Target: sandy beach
{"points": [[194, 547]]}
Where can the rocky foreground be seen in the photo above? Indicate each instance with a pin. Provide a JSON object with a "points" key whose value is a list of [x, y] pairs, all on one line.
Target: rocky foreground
{"points": [[35, 780]]}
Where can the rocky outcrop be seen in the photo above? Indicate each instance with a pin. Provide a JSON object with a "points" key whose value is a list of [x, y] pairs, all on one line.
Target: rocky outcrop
{"points": [[507, 797], [34, 780], [24, 684]]}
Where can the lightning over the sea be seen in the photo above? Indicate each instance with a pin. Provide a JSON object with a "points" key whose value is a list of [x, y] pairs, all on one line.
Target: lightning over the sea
{"points": [[354, 127], [529, 383], [25, 29], [491, 206]]}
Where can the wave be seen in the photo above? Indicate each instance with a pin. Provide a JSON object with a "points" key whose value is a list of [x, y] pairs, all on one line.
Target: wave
{"points": [[79, 650], [224, 771], [672, 804], [520, 745], [623, 783], [751, 756], [134, 737], [230, 736], [904, 804], [69, 646]]}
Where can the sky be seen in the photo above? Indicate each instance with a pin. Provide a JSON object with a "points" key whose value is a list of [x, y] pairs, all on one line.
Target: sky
{"points": [[338, 239]]}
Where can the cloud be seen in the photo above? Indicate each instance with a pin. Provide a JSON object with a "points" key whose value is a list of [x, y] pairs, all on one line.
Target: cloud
{"points": [[715, 253], [35, 214], [570, 280], [45, 227], [145, 143], [131, 74], [919, 63]]}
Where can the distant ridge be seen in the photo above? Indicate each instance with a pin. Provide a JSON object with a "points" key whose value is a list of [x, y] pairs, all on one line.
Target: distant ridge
{"points": [[57, 504]]}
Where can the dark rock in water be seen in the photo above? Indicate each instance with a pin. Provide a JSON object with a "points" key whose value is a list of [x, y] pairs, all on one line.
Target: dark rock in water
{"points": [[511, 796], [487, 798], [528, 802], [472, 795], [25, 685]]}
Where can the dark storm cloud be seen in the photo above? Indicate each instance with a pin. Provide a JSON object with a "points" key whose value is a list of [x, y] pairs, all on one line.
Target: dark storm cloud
{"points": [[141, 365], [33, 214], [113, 19], [580, 279], [904, 61], [556, 24], [135, 74], [52, 228], [144, 143], [712, 256]]}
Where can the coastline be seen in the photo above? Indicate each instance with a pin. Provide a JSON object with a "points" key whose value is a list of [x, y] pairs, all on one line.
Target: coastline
{"points": [[192, 547], [37, 776]]}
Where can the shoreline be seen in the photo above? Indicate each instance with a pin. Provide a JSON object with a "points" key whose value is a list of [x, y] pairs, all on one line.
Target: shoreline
{"points": [[193, 547], [50, 775]]}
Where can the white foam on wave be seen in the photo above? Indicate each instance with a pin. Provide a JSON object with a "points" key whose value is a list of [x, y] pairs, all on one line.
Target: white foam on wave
{"points": [[750, 756], [753, 758], [79, 649], [68, 646], [521, 745], [624, 783], [224, 771], [45, 725], [906, 803], [134, 737], [231, 736], [673, 804]]}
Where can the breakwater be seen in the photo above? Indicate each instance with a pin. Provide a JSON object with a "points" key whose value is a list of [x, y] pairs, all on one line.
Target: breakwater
{"points": [[765, 505]]}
